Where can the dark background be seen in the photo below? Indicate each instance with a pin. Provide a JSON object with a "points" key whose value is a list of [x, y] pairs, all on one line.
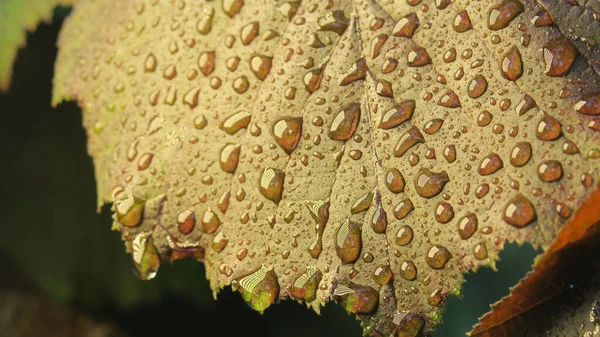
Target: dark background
{"points": [[53, 242]]}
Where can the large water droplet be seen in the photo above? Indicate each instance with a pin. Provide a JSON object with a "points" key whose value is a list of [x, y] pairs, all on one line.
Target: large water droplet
{"points": [[271, 184], [548, 129], [397, 115], [287, 132], [261, 66], [519, 211], [236, 122], [210, 221], [394, 180], [467, 226], [206, 62], [130, 211], [512, 64], [404, 235], [550, 170], [229, 158], [406, 26], [410, 324], [379, 220], [444, 212], [345, 122], [559, 55], [502, 14], [146, 257], [589, 106], [490, 164], [429, 184], [477, 86], [409, 139], [348, 242], [462, 22], [357, 299], [408, 270], [186, 221], [403, 208], [520, 154], [259, 289], [362, 204], [305, 286], [357, 72], [437, 256], [418, 57], [383, 275]]}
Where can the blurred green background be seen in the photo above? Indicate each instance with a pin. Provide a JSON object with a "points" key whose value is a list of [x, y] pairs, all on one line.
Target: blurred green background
{"points": [[53, 241]]}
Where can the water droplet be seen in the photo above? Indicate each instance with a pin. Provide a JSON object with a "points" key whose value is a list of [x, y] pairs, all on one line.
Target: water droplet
{"points": [[362, 204], [130, 211], [383, 275], [145, 161], [357, 299], [519, 211], [512, 64], [249, 32], [235, 122], [186, 221], [404, 235], [548, 129], [150, 64], [480, 251], [429, 184], [148, 263], [437, 256], [403, 208], [210, 221], [550, 170], [589, 106], [433, 126], [230, 156], [520, 154], [418, 57], [502, 14], [348, 242], [379, 220], [232, 7], [394, 181], [312, 80], [345, 122], [305, 286], [204, 24], [287, 132], [408, 270], [559, 55], [410, 324], [409, 139], [477, 87], [200, 122], [406, 26], [449, 100], [397, 115], [490, 164], [444, 212], [376, 44], [259, 289], [335, 21], [206, 62], [450, 153], [271, 184], [241, 84], [462, 22], [467, 226], [219, 242], [563, 210], [357, 72], [261, 66]]}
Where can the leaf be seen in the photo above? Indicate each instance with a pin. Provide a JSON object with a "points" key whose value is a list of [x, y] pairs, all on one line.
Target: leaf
{"points": [[564, 263], [358, 151], [18, 16]]}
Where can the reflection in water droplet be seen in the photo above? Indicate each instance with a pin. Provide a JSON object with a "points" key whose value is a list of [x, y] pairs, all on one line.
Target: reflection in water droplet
{"points": [[305, 286], [383, 275], [357, 72], [467, 226], [230, 155], [404, 235], [406, 26], [210, 221], [480, 251], [548, 129], [345, 122], [357, 299], [397, 115], [348, 242], [130, 211], [477, 87], [186, 221], [550, 170], [287, 132], [519, 211], [410, 324], [502, 14], [490, 164], [219, 242], [429, 184], [261, 66], [409, 139], [589, 106], [408, 270], [437, 256], [559, 55], [149, 260], [512, 64], [403, 208], [259, 289], [449, 100], [394, 180], [444, 212], [235, 122], [379, 220], [271, 184], [520, 154], [363, 203], [462, 22], [418, 57]]}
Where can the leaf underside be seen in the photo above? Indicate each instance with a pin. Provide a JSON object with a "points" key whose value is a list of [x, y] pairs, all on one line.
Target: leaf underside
{"points": [[368, 152]]}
